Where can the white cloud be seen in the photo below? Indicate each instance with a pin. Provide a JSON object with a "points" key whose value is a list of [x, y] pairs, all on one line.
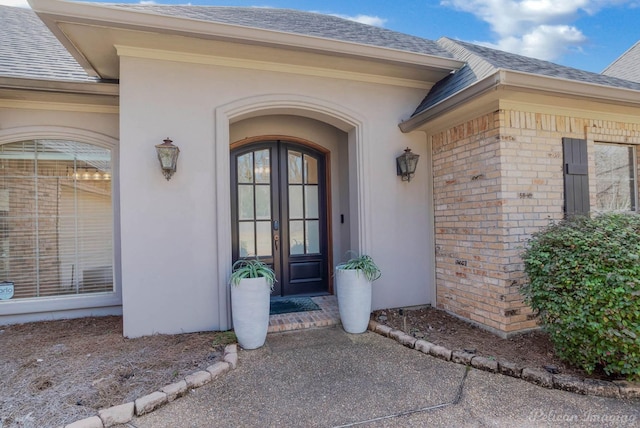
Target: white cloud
{"points": [[365, 19], [538, 28], [545, 42], [17, 3]]}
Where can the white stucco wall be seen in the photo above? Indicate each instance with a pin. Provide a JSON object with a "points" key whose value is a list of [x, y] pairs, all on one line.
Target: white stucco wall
{"points": [[32, 120], [171, 239]]}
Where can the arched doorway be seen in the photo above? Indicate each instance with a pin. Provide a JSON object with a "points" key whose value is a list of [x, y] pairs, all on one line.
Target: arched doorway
{"points": [[279, 213]]}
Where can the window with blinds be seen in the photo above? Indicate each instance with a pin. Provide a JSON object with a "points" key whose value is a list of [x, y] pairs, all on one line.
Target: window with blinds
{"points": [[56, 218]]}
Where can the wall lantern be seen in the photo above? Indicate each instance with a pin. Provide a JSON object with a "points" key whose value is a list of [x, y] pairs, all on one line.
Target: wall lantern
{"points": [[406, 164], [168, 157]]}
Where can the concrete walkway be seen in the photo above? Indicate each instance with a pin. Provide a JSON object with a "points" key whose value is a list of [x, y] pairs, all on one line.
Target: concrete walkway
{"points": [[328, 378]]}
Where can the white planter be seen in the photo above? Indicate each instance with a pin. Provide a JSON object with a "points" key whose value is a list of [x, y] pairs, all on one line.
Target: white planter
{"points": [[250, 311], [354, 300]]}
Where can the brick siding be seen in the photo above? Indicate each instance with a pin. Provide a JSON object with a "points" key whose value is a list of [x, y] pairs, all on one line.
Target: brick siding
{"points": [[497, 179]]}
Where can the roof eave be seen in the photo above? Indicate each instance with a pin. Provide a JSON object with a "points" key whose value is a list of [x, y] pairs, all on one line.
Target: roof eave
{"points": [[508, 79], [477, 89], [58, 86], [51, 12]]}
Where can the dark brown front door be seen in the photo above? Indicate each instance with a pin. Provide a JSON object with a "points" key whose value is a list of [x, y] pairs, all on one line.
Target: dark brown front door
{"points": [[278, 194]]}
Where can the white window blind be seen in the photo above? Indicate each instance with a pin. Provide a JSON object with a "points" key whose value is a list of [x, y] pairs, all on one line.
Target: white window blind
{"points": [[56, 218]]}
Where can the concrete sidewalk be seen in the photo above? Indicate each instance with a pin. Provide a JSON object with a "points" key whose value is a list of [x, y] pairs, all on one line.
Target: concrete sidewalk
{"points": [[328, 378]]}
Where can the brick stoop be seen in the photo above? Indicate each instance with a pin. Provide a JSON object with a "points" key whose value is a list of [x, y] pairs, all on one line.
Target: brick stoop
{"points": [[328, 315]]}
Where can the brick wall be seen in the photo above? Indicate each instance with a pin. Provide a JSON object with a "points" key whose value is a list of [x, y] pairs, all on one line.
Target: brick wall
{"points": [[497, 179]]}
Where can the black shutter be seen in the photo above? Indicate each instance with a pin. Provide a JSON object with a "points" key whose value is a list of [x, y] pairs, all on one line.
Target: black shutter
{"points": [[576, 177]]}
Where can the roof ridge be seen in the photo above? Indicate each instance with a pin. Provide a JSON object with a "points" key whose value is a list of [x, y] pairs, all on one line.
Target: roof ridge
{"points": [[453, 46]]}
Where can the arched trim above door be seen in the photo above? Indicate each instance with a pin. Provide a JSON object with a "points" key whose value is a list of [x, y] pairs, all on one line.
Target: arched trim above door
{"points": [[322, 110], [259, 138]]}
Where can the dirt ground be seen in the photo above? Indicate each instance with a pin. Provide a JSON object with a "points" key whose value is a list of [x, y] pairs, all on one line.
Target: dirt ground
{"points": [[532, 349], [57, 372]]}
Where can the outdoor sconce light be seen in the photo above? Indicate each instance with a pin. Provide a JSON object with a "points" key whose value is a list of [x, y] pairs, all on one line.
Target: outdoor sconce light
{"points": [[168, 157], [406, 164]]}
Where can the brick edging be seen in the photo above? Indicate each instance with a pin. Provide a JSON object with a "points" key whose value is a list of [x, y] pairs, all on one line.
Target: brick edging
{"points": [[537, 376], [124, 413]]}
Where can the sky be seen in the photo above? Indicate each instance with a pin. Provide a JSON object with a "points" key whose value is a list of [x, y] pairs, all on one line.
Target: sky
{"points": [[585, 34]]}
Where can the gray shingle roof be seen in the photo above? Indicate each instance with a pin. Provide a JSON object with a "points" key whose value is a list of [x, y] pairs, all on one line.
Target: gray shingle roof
{"points": [[29, 50], [482, 61], [299, 22], [627, 66]]}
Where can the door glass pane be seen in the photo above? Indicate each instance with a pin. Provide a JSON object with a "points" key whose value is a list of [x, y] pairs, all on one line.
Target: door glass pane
{"points": [[295, 202], [313, 236], [247, 239], [245, 168], [310, 170], [296, 237], [263, 202], [263, 229], [263, 166], [245, 202], [295, 167], [311, 201]]}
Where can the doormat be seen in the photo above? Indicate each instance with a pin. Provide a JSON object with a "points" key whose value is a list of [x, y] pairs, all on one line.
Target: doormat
{"points": [[292, 304]]}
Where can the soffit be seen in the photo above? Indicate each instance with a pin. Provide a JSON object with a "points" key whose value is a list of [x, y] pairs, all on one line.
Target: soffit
{"points": [[79, 96], [56, 101], [504, 98], [90, 33], [569, 106]]}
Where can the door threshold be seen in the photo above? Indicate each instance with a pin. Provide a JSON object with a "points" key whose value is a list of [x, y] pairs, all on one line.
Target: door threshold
{"points": [[293, 296], [328, 315]]}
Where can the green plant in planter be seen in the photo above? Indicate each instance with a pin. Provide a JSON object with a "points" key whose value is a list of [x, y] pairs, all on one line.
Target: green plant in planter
{"points": [[251, 268], [364, 263]]}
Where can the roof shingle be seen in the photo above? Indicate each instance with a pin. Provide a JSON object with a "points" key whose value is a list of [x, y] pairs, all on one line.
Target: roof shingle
{"points": [[29, 50], [482, 62], [627, 66], [298, 22]]}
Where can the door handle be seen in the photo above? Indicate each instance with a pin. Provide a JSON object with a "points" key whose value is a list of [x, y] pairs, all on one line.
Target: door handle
{"points": [[276, 239]]}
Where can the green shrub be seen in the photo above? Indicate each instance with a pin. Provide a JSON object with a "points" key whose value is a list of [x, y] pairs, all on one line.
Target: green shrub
{"points": [[584, 282]]}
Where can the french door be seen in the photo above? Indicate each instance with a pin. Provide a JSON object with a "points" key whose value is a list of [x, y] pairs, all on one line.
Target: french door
{"points": [[279, 204]]}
